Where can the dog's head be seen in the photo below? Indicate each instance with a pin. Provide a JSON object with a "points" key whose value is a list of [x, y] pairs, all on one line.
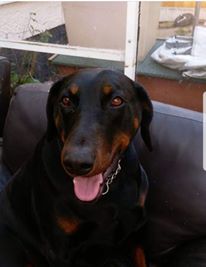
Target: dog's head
{"points": [[95, 114]]}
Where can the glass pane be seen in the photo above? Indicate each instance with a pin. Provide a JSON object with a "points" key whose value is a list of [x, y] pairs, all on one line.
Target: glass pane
{"points": [[171, 54], [31, 21], [39, 21]]}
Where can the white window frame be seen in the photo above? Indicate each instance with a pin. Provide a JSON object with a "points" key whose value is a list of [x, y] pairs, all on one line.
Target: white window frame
{"points": [[128, 56]]}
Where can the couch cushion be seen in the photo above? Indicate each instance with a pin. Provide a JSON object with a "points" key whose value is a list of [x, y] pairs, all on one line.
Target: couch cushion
{"points": [[176, 201]]}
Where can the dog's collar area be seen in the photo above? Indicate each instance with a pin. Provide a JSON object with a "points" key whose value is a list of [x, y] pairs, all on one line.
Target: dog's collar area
{"points": [[111, 178]]}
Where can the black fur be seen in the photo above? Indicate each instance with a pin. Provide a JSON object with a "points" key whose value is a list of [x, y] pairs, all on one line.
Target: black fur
{"points": [[85, 133]]}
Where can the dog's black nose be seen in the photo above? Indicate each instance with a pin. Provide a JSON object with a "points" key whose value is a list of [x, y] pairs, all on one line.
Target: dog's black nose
{"points": [[77, 166]]}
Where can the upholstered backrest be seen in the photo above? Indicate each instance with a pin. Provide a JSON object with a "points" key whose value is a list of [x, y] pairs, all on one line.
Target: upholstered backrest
{"points": [[25, 123], [176, 201]]}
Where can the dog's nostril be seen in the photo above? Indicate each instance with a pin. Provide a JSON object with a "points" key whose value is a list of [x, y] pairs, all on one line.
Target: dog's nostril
{"points": [[86, 166], [78, 167], [68, 164]]}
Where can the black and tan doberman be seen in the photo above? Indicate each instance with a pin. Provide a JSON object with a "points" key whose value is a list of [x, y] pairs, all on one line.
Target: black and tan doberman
{"points": [[79, 201]]}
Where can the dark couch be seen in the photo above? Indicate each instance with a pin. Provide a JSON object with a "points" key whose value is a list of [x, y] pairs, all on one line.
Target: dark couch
{"points": [[175, 234], [4, 90]]}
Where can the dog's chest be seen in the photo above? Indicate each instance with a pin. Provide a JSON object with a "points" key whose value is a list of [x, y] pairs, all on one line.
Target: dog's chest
{"points": [[108, 222], [96, 235]]}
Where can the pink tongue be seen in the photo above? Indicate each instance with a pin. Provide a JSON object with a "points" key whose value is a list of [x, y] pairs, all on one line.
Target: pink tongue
{"points": [[87, 188]]}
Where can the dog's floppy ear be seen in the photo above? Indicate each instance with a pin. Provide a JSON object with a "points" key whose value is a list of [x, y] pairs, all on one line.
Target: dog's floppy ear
{"points": [[147, 114], [53, 94]]}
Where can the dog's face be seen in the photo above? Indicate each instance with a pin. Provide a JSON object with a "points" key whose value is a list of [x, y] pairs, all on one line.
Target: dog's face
{"points": [[95, 114]]}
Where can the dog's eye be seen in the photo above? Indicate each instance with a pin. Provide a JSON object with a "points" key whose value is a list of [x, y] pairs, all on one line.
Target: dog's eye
{"points": [[66, 101], [117, 101]]}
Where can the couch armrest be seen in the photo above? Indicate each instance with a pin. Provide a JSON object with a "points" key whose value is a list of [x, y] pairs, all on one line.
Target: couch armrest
{"points": [[4, 90]]}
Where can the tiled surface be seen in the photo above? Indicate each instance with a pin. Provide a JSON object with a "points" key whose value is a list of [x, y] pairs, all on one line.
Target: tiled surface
{"points": [[86, 62], [148, 67]]}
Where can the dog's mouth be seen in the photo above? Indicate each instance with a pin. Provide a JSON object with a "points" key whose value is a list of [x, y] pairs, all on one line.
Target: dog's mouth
{"points": [[90, 188]]}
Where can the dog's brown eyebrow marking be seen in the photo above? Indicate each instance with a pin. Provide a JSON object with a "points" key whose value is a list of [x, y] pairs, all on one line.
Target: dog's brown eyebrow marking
{"points": [[74, 89], [107, 89]]}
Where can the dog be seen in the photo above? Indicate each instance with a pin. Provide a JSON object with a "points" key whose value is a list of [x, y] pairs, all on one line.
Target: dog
{"points": [[79, 200]]}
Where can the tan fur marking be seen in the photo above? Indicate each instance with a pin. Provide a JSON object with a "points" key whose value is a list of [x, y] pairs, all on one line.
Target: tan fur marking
{"points": [[58, 126], [62, 137], [69, 226], [74, 89], [105, 154], [136, 123], [103, 158], [140, 258], [57, 121], [122, 140], [107, 89]]}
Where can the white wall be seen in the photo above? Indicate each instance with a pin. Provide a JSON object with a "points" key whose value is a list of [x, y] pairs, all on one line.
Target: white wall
{"points": [[96, 24], [103, 24], [149, 21]]}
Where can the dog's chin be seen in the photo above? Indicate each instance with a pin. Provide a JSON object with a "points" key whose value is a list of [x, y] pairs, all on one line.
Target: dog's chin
{"points": [[89, 188]]}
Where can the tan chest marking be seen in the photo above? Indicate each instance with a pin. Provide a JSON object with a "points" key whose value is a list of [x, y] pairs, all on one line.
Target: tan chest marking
{"points": [[68, 225], [140, 258]]}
